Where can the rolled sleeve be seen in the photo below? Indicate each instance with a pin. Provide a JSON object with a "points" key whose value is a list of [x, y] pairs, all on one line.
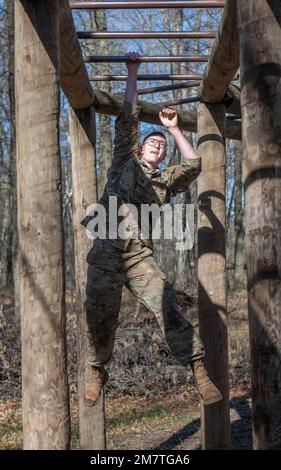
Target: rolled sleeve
{"points": [[180, 176]]}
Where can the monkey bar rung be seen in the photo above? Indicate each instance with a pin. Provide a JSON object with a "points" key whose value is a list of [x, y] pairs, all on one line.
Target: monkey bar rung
{"points": [[146, 34], [124, 58], [146, 5], [119, 78], [175, 86], [193, 99]]}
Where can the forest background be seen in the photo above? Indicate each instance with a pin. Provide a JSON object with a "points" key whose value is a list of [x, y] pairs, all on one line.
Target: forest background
{"points": [[142, 364]]}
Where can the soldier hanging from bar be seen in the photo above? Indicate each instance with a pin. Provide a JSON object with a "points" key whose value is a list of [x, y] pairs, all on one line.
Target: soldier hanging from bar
{"points": [[134, 178]]}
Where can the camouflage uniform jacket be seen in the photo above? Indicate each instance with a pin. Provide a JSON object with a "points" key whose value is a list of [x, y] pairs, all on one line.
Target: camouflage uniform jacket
{"points": [[133, 182]]}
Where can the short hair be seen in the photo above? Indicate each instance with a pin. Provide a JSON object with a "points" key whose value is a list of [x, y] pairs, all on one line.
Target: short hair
{"points": [[153, 133]]}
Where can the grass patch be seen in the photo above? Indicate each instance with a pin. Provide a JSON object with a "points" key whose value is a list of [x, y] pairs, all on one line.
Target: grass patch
{"points": [[128, 417], [10, 426], [146, 419]]}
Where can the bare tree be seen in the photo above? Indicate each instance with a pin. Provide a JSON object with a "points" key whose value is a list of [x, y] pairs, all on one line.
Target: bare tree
{"points": [[239, 252], [8, 197], [97, 21]]}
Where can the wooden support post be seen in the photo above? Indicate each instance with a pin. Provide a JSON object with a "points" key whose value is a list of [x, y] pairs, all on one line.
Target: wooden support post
{"points": [[42, 287], [211, 270], [83, 138], [260, 58]]}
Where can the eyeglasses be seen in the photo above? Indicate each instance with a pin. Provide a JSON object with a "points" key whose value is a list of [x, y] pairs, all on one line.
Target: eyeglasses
{"points": [[151, 142]]}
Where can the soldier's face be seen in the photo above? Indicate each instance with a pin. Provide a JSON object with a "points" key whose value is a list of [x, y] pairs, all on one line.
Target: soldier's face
{"points": [[154, 150]]}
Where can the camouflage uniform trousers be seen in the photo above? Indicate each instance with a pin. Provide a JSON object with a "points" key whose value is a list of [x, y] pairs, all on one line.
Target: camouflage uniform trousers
{"points": [[147, 283]]}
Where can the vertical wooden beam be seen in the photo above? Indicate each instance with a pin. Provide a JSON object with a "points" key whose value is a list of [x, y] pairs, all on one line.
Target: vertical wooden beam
{"points": [[260, 55], [42, 288], [83, 139], [211, 270]]}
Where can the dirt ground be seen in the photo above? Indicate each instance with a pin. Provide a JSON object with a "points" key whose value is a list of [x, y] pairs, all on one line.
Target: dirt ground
{"points": [[169, 422], [149, 402], [183, 432]]}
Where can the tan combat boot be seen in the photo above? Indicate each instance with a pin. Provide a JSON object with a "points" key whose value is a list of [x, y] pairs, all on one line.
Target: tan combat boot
{"points": [[208, 391], [94, 385]]}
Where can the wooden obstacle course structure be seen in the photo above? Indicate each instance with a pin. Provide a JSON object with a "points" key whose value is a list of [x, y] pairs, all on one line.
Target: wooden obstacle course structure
{"points": [[47, 45]]}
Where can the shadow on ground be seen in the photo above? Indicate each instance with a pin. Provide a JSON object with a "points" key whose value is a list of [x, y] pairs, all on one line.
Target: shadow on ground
{"points": [[240, 428]]}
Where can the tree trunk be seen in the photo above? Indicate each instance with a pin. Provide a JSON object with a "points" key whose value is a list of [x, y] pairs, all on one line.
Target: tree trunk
{"points": [[104, 122], [83, 139], [5, 225], [8, 222], [46, 423], [260, 58], [175, 21], [211, 270], [13, 252], [238, 221], [192, 254]]}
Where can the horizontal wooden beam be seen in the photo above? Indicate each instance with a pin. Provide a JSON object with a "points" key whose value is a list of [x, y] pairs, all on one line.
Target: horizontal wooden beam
{"points": [[139, 4], [124, 58], [73, 74], [146, 34], [224, 58], [111, 105], [120, 78]]}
